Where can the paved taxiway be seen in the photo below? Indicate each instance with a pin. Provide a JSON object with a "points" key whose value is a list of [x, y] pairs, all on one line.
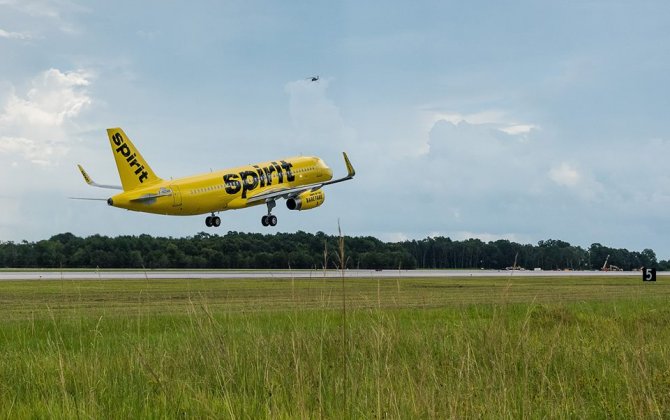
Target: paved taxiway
{"points": [[258, 274]]}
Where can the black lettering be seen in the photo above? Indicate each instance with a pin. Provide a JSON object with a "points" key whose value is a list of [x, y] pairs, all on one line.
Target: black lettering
{"points": [[268, 174], [117, 139], [261, 175], [135, 163], [280, 174], [124, 150], [233, 186], [287, 167], [130, 156], [249, 182]]}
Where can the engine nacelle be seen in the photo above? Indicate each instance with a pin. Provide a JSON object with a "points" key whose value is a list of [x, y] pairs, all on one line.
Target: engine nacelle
{"points": [[307, 200]]}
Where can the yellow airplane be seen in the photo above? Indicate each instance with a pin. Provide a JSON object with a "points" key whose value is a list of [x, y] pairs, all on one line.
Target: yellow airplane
{"points": [[298, 180]]}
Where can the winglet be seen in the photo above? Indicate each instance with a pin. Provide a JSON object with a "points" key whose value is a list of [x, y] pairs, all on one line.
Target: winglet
{"points": [[87, 178], [350, 167], [92, 183]]}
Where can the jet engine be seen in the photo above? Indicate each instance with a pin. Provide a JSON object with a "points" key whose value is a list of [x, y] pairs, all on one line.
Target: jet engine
{"points": [[306, 200]]}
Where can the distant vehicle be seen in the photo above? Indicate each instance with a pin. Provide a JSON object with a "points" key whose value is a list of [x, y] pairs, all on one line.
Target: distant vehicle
{"points": [[298, 180], [610, 267], [604, 267], [514, 266]]}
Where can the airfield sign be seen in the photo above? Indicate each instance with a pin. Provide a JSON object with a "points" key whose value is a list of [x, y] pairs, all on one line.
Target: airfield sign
{"points": [[648, 274]]}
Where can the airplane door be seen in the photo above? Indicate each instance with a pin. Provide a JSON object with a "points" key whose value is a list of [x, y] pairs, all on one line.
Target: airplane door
{"points": [[176, 196]]}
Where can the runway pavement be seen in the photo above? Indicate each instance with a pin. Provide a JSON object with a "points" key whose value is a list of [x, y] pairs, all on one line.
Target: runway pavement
{"points": [[259, 274]]}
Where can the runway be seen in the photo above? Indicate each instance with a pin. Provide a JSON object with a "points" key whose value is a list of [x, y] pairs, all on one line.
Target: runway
{"points": [[288, 274]]}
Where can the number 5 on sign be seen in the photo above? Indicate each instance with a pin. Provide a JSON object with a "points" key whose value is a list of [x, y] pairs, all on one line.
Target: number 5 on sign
{"points": [[648, 274]]}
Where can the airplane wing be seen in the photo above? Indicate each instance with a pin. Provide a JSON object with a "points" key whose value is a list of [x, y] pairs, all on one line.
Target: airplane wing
{"points": [[90, 181], [291, 192], [163, 192], [282, 193]]}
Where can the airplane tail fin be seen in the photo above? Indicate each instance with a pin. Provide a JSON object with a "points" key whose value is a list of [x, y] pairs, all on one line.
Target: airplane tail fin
{"points": [[134, 171]]}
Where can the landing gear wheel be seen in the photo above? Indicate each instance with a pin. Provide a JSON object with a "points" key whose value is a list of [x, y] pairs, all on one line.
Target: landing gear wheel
{"points": [[216, 221], [208, 221], [269, 219]]}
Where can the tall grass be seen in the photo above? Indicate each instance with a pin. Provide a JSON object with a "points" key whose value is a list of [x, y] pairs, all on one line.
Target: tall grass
{"points": [[273, 349]]}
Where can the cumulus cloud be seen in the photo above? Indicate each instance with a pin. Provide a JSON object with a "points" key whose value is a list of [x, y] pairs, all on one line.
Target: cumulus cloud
{"points": [[34, 126], [471, 159], [474, 181], [315, 117]]}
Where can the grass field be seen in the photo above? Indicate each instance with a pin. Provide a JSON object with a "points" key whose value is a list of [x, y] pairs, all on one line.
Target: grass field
{"points": [[310, 348]]}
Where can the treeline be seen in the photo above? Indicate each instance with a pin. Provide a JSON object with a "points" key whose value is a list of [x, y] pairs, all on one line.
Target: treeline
{"points": [[302, 250]]}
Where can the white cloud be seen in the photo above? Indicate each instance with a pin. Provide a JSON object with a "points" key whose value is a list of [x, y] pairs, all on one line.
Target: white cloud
{"points": [[496, 119], [565, 175], [478, 118], [46, 14], [476, 159], [14, 35], [315, 117], [583, 184], [44, 8], [518, 129], [35, 126], [29, 149]]}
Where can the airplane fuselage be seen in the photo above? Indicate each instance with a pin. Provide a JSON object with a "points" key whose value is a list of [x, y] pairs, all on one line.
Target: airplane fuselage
{"points": [[223, 190]]}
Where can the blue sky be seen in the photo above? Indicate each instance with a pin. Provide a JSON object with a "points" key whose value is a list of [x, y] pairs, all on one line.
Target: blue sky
{"points": [[522, 120]]}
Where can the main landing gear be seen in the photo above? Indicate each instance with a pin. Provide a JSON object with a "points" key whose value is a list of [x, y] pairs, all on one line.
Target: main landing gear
{"points": [[269, 219], [213, 221]]}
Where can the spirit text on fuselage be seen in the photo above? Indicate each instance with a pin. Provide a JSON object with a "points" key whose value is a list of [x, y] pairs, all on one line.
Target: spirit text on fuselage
{"points": [[259, 177]]}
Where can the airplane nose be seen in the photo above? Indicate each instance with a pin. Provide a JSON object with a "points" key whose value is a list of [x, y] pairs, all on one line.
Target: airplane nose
{"points": [[325, 169]]}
